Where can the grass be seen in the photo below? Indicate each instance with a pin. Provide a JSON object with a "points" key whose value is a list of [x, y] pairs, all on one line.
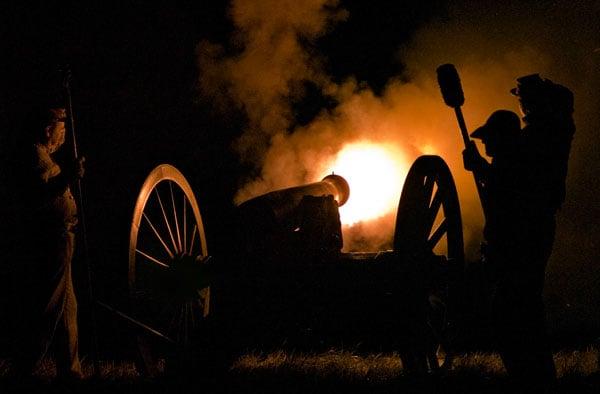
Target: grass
{"points": [[346, 365], [342, 365], [332, 371]]}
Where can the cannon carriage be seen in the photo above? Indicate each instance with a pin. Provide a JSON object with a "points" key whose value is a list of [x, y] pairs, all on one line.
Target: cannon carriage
{"points": [[286, 282]]}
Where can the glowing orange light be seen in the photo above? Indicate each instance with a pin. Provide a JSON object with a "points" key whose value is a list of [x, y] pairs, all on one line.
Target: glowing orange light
{"points": [[375, 173], [428, 149]]}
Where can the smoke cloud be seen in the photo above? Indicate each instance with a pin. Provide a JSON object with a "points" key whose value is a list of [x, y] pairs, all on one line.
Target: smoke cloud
{"points": [[493, 43], [269, 67], [490, 44]]}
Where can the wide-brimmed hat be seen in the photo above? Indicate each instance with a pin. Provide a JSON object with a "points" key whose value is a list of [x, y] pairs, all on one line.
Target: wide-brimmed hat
{"points": [[499, 121], [533, 88], [528, 83]]}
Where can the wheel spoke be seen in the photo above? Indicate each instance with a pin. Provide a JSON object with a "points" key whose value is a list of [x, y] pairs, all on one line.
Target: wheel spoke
{"points": [[184, 223], [428, 187], [153, 259], [434, 208], [437, 234], [162, 208], [193, 239], [171, 255], [175, 216]]}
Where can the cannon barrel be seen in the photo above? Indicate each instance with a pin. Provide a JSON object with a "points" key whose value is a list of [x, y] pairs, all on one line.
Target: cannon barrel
{"points": [[282, 203], [296, 221]]}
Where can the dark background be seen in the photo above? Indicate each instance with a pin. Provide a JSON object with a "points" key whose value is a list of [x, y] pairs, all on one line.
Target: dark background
{"points": [[133, 87], [136, 104]]}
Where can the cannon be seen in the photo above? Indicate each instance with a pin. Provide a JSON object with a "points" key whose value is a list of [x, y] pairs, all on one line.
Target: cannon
{"points": [[286, 279], [302, 220]]}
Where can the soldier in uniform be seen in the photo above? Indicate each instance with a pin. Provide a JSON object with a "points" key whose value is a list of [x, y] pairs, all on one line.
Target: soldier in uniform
{"points": [[521, 198], [49, 310]]}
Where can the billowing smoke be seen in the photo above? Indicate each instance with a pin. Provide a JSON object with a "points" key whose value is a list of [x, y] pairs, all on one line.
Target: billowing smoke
{"points": [[270, 67], [490, 44]]}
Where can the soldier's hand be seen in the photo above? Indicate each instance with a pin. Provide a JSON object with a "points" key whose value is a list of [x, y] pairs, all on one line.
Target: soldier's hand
{"points": [[79, 167], [75, 170], [471, 157]]}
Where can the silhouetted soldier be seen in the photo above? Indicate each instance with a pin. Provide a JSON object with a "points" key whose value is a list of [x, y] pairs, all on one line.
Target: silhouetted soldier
{"points": [[49, 307], [524, 186], [500, 136]]}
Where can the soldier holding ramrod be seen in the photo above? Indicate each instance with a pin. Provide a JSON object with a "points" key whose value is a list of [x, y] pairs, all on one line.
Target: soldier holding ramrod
{"points": [[523, 187], [48, 313]]}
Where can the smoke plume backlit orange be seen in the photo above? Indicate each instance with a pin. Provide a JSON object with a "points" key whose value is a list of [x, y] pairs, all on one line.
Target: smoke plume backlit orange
{"points": [[262, 71]]}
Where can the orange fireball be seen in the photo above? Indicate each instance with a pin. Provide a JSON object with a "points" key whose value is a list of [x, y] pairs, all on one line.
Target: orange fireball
{"points": [[375, 173]]}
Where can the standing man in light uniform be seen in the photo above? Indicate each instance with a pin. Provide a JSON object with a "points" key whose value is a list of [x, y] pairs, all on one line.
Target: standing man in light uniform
{"points": [[51, 218]]}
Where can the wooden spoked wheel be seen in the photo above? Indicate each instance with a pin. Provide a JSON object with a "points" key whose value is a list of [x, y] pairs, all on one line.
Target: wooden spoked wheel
{"points": [[429, 229], [167, 250]]}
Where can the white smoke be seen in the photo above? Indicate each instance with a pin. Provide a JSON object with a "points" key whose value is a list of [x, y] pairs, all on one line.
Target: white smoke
{"points": [[491, 45]]}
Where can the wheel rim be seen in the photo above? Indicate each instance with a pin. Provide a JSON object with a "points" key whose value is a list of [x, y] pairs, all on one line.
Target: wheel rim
{"points": [[429, 228], [167, 248], [429, 212]]}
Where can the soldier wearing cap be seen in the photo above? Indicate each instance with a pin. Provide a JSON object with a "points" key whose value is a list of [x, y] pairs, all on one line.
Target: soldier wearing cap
{"points": [[524, 186], [49, 307], [549, 127], [500, 136]]}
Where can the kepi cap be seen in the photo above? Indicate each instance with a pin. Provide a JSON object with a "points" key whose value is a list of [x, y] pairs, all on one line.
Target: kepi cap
{"points": [[499, 121]]}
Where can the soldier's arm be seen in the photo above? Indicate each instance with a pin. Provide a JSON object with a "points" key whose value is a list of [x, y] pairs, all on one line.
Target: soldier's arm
{"points": [[475, 163], [56, 186], [49, 181]]}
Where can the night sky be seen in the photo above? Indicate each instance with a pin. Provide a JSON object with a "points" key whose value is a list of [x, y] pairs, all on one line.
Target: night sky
{"points": [[138, 101]]}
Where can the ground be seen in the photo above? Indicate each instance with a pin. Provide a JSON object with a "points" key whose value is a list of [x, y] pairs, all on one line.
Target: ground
{"points": [[333, 371]]}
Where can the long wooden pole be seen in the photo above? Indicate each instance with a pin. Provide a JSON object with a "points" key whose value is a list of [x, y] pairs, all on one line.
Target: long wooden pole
{"points": [[452, 93], [82, 223], [467, 141]]}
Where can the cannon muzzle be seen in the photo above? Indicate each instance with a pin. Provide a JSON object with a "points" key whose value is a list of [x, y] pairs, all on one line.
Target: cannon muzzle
{"points": [[282, 203], [302, 218]]}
